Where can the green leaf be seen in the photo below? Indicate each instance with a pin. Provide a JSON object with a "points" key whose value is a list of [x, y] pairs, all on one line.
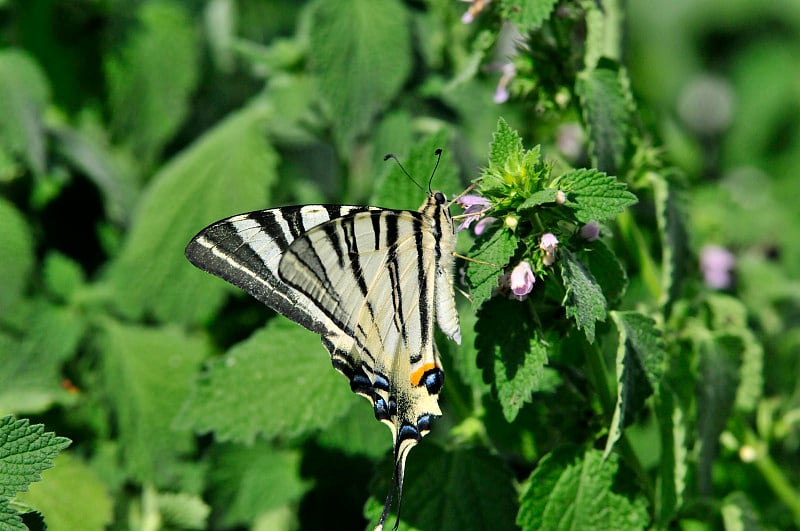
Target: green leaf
{"points": [[738, 513], [528, 14], [505, 155], [607, 117], [396, 190], [25, 450], [24, 94], [548, 195], [361, 52], [150, 79], [247, 481], [62, 275], [603, 39], [717, 383], [670, 201], [584, 299], [9, 519], [357, 433], [38, 338], [225, 172], [278, 382], [182, 510], [148, 373], [594, 195], [674, 464], [640, 364], [450, 490], [574, 490], [510, 352], [71, 497], [606, 269], [16, 242], [496, 249]]}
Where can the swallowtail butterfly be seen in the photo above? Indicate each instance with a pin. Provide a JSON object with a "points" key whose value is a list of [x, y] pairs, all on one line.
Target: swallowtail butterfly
{"points": [[370, 281]]}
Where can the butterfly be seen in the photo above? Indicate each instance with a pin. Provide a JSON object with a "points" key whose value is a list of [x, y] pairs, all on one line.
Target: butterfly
{"points": [[370, 281]]}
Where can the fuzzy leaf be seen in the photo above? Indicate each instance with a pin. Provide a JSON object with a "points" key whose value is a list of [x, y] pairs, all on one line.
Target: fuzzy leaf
{"points": [[182, 510], [250, 480], [674, 464], [510, 352], [640, 364], [150, 79], [594, 195], [671, 218], [497, 248], [278, 382], [9, 518], [362, 56], [574, 490], [450, 490], [16, 241], [505, 154], [584, 300], [25, 450], [528, 14], [71, 496], [149, 374], [606, 115], [225, 172], [606, 269], [548, 195]]}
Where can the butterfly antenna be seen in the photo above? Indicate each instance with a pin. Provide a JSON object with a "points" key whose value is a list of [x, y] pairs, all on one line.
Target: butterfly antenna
{"points": [[393, 156], [438, 154]]}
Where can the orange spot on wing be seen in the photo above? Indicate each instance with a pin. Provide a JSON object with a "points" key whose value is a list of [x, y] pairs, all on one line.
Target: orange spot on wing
{"points": [[416, 376]]}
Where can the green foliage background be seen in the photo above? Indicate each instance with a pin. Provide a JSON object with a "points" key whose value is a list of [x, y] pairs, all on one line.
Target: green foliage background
{"points": [[623, 393]]}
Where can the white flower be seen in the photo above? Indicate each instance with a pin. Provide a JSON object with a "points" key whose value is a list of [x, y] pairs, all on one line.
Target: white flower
{"points": [[549, 244], [521, 280]]}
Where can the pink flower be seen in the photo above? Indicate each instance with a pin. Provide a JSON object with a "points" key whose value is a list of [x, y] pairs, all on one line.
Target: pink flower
{"points": [[716, 264], [481, 225], [475, 206], [590, 231], [549, 244], [521, 280]]}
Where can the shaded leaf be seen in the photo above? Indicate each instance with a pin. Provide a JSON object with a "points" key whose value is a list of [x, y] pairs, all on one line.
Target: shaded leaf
{"points": [[9, 519], [528, 14], [225, 172], [548, 195], [674, 464], [675, 254], [361, 52], [739, 514], [278, 382], [25, 451], [182, 510], [606, 269], [495, 249], [584, 300], [148, 373], [16, 241]]}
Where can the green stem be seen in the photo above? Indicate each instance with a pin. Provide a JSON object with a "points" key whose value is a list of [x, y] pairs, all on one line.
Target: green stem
{"points": [[773, 475], [637, 246]]}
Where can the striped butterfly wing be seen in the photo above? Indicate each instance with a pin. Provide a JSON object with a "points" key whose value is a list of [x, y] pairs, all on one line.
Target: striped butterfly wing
{"points": [[370, 281]]}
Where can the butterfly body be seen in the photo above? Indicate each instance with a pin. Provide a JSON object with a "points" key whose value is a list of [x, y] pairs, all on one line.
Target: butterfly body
{"points": [[370, 281]]}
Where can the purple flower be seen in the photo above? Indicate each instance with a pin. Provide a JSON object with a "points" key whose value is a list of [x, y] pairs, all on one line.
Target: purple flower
{"points": [[549, 244], [590, 231], [501, 93], [474, 9], [716, 263], [521, 280], [475, 206], [481, 225]]}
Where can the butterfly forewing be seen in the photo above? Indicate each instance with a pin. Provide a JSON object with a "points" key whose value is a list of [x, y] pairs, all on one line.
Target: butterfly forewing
{"points": [[370, 281]]}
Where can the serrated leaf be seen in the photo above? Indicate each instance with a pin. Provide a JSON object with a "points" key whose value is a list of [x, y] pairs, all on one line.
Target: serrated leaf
{"points": [[528, 14], [606, 269], [227, 171], [25, 451], [71, 496], [548, 195], [396, 190], [462, 357], [24, 94], [16, 241], [571, 489], [594, 195], [584, 300], [496, 248], [278, 382], [251, 480], [606, 115], [361, 52], [150, 79], [603, 24], [639, 366], [38, 338], [182, 510], [717, 382], [9, 519], [356, 433], [510, 352], [148, 373], [671, 217], [674, 463], [450, 490], [505, 152]]}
